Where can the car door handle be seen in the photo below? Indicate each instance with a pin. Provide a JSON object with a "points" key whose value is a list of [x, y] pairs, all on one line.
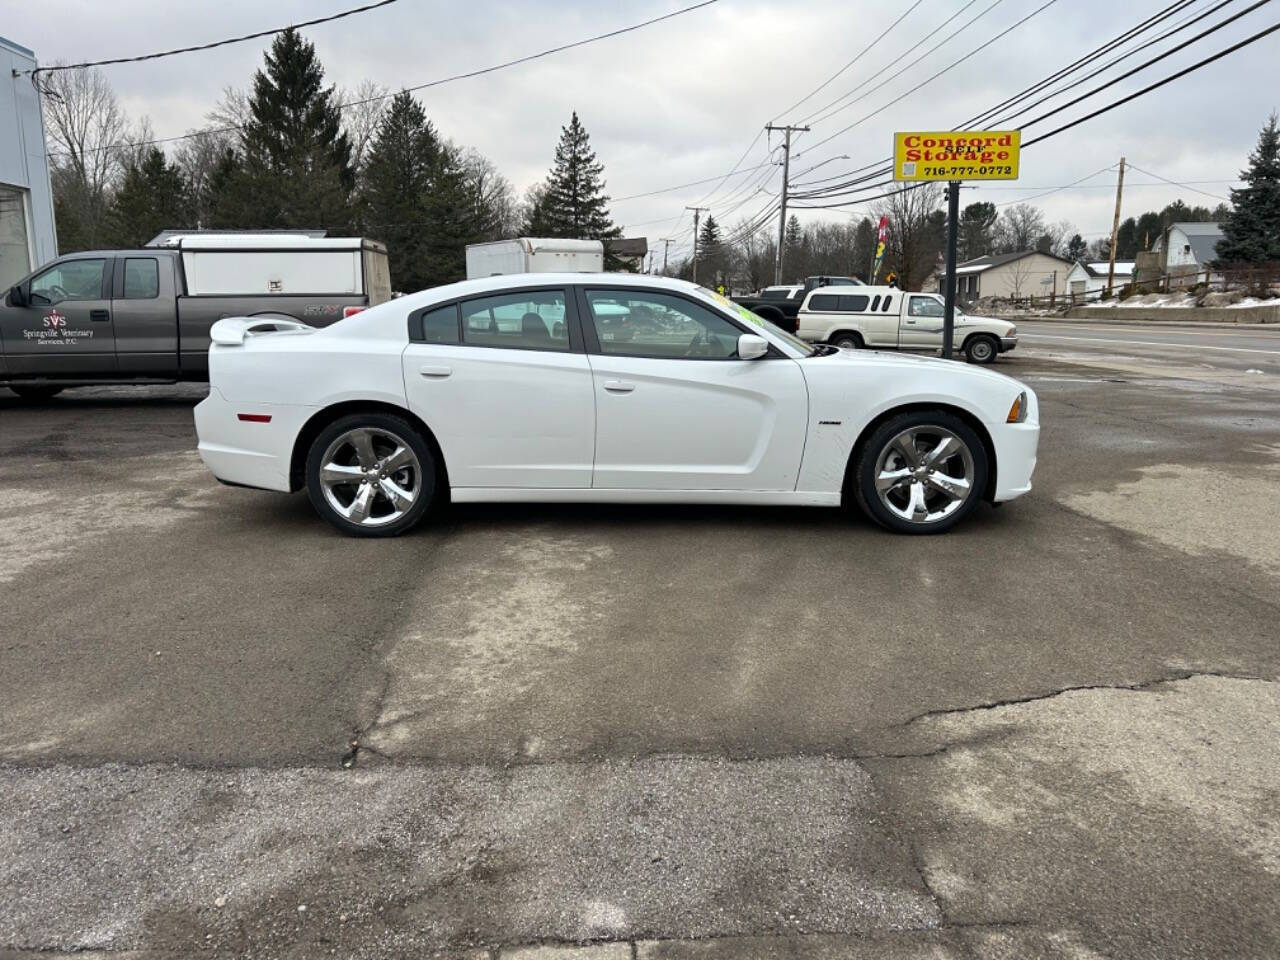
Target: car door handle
{"points": [[100, 315], [619, 386], [909, 321], [435, 371]]}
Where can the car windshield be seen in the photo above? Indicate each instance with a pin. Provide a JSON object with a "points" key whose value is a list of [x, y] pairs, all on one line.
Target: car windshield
{"points": [[758, 321]]}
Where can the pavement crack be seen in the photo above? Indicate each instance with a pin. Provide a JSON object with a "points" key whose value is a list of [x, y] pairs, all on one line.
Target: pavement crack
{"points": [[1049, 695]]}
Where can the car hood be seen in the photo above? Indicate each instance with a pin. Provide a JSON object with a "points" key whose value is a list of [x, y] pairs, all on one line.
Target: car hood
{"points": [[848, 360], [969, 320]]}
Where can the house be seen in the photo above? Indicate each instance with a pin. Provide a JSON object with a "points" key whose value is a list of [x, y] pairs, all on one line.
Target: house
{"points": [[630, 251], [1187, 250], [1088, 280], [1010, 276], [27, 234]]}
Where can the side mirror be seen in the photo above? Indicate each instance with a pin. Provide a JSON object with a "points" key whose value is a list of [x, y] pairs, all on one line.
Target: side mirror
{"points": [[751, 347], [17, 297]]}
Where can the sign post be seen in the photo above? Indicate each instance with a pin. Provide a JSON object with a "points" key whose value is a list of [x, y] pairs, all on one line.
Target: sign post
{"points": [[953, 156]]}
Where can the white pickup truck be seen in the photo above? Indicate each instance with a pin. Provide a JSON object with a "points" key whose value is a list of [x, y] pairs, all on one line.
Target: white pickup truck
{"points": [[889, 318]]}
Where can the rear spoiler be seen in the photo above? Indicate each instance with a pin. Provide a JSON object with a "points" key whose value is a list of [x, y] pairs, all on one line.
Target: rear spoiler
{"points": [[231, 331]]}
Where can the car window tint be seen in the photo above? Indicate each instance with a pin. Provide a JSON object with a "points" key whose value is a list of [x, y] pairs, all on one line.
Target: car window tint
{"points": [[141, 278], [530, 320], [875, 303], [73, 280], [441, 325], [824, 301], [925, 307], [888, 302], [646, 324], [854, 304]]}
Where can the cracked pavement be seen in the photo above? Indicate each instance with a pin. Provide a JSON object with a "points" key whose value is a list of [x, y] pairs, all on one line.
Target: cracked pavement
{"points": [[599, 732]]}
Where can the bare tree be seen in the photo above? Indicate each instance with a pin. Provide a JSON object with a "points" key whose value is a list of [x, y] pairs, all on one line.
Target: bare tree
{"points": [[137, 144], [493, 199], [1018, 228], [756, 253], [362, 109], [916, 233]]}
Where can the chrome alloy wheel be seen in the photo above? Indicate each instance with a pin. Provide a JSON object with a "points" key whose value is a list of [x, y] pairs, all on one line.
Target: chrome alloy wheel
{"points": [[370, 476], [924, 474]]}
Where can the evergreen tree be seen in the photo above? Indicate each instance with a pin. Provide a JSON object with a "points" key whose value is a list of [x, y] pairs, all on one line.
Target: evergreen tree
{"points": [[713, 260], [1077, 249], [1252, 229], [294, 165], [1128, 240], [152, 196], [976, 230], [415, 198], [709, 238], [574, 204]]}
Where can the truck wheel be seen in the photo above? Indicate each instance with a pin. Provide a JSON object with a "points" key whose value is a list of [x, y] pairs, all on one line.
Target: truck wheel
{"points": [[920, 472], [848, 339], [36, 393], [371, 475], [981, 348]]}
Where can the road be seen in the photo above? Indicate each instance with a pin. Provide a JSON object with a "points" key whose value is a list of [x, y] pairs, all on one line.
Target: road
{"points": [[679, 733]]}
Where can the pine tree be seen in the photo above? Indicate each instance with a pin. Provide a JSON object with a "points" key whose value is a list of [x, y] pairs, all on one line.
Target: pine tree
{"points": [[574, 205], [976, 227], [294, 165], [152, 196], [709, 237], [1077, 249], [713, 260], [1252, 230], [415, 198]]}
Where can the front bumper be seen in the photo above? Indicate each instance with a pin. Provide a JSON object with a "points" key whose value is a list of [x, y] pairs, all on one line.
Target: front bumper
{"points": [[1008, 343], [1016, 446]]}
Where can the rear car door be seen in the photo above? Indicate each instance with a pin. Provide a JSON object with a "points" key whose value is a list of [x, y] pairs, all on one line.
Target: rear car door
{"points": [[504, 384], [922, 322], [676, 409], [65, 329], [144, 316]]}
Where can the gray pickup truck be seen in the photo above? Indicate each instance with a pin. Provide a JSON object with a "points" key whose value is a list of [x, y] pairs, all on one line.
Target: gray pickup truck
{"points": [[143, 316]]}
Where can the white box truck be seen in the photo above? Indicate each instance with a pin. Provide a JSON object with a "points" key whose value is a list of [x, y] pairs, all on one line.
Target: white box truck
{"points": [[529, 255]]}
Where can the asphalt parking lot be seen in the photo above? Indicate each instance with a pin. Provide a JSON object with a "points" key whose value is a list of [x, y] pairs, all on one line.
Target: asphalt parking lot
{"points": [[655, 732]]}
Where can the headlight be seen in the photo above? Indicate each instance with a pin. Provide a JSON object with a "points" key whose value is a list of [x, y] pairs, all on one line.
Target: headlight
{"points": [[1013, 332], [1018, 412]]}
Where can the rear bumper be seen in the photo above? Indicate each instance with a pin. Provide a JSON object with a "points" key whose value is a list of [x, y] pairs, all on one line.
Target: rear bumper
{"points": [[1008, 343], [248, 454]]}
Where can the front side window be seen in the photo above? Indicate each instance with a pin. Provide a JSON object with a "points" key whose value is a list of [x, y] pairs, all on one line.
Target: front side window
{"points": [[141, 278], [649, 324], [925, 307], [531, 320], [72, 280]]}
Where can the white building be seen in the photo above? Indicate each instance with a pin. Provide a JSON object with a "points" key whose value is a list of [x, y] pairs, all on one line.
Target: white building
{"points": [[1088, 280], [1187, 249], [1009, 276], [27, 234]]}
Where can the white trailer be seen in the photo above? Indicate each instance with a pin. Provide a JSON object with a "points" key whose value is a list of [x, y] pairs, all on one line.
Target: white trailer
{"points": [[528, 255]]}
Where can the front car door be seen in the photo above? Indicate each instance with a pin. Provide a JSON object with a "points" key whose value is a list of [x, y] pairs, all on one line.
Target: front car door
{"points": [[676, 409], [65, 328], [504, 383], [922, 322]]}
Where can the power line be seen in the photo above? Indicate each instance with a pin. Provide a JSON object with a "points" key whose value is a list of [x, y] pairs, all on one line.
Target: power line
{"points": [[207, 46], [435, 83], [1184, 186]]}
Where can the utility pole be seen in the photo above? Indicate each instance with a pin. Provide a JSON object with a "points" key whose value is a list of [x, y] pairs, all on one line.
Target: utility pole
{"points": [[1115, 230], [697, 212], [666, 247], [786, 172], [953, 236]]}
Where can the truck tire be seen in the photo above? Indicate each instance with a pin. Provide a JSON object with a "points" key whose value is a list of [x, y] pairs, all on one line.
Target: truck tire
{"points": [[899, 487], [371, 475], [849, 339], [36, 392], [981, 348]]}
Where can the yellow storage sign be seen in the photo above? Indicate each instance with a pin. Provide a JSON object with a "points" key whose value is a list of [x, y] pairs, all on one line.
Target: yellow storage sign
{"points": [[957, 155]]}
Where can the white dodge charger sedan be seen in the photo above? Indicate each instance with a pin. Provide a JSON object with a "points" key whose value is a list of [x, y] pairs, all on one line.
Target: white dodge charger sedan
{"points": [[607, 388]]}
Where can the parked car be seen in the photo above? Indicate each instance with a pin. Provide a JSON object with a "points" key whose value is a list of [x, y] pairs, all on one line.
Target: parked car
{"points": [[411, 403], [889, 318], [780, 305], [143, 316]]}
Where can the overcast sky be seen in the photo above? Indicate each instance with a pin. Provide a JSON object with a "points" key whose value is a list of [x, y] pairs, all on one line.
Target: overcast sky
{"points": [[681, 100]]}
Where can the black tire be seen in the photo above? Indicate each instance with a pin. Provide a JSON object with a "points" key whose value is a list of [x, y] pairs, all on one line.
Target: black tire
{"points": [[850, 339], [386, 427], [862, 478], [982, 348], [36, 393]]}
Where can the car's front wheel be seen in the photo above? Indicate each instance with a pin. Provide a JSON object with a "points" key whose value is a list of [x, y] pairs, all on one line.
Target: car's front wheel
{"points": [[371, 475], [982, 348], [921, 472]]}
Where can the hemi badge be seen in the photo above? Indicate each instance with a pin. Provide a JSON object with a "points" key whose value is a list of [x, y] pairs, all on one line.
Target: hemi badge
{"points": [[254, 417], [830, 423]]}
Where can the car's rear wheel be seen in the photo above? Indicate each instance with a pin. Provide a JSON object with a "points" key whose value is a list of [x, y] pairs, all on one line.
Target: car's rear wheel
{"points": [[921, 472], [36, 392], [981, 348], [848, 339], [371, 475]]}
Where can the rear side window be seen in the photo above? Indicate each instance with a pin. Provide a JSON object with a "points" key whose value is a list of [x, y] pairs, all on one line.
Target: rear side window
{"points": [[854, 304], [532, 320], [824, 302], [141, 278], [875, 302], [888, 302], [441, 326]]}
